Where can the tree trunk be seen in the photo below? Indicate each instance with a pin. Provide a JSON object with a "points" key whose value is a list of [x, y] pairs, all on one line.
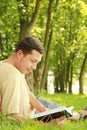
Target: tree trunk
{"points": [[69, 72], [41, 74], [26, 25], [0, 42], [81, 74], [70, 80], [47, 41], [61, 79], [44, 76]]}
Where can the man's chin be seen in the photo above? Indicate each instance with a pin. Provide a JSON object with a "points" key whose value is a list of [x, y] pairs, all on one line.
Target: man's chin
{"points": [[29, 71]]}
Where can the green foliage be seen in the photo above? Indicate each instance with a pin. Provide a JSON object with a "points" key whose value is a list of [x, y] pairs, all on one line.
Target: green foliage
{"points": [[39, 28], [69, 39], [9, 27], [70, 29], [68, 24], [25, 9]]}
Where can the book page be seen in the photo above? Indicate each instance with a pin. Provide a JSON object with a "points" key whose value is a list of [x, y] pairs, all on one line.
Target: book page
{"points": [[55, 110]]}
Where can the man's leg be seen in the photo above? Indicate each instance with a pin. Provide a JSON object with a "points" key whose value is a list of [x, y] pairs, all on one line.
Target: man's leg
{"points": [[47, 103]]}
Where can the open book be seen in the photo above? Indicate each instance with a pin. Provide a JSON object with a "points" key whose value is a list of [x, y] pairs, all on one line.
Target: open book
{"points": [[54, 113]]}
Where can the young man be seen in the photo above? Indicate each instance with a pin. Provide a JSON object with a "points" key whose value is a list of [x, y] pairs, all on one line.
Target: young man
{"points": [[17, 101]]}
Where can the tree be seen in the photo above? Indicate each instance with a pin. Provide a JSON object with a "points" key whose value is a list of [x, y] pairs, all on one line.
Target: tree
{"points": [[28, 15], [81, 74], [62, 28], [9, 30], [47, 42], [69, 40]]}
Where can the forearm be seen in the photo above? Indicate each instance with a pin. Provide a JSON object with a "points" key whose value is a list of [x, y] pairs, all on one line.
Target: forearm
{"points": [[36, 104]]}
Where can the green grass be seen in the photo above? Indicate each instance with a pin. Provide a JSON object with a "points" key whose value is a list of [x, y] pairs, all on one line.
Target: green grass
{"points": [[78, 101]]}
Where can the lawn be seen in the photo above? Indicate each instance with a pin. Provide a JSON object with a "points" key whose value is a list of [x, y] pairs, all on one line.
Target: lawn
{"points": [[78, 101]]}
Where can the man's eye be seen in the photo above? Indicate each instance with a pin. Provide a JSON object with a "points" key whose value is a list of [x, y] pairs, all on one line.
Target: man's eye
{"points": [[33, 61]]}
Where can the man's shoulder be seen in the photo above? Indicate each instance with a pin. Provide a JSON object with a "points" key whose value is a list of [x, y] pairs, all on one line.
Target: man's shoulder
{"points": [[4, 65], [8, 68]]}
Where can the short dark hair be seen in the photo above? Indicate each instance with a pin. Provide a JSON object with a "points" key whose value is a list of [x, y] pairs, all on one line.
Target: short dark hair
{"points": [[28, 44]]}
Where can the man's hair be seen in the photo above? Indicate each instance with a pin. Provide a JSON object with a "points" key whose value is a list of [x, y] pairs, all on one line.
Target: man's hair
{"points": [[28, 44]]}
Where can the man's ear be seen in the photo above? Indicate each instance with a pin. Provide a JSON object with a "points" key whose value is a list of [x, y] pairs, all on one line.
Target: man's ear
{"points": [[20, 54]]}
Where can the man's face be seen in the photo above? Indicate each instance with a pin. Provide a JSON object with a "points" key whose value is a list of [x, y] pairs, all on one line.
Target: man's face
{"points": [[28, 62]]}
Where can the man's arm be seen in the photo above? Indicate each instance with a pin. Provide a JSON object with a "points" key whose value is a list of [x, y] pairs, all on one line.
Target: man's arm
{"points": [[36, 104]]}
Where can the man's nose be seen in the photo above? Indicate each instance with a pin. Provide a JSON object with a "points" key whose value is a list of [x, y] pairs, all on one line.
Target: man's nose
{"points": [[34, 66]]}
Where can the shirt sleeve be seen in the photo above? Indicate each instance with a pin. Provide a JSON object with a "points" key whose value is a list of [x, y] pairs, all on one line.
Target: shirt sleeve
{"points": [[11, 94]]}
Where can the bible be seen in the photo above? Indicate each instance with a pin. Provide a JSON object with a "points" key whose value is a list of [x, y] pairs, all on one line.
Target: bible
{"points": [[54, 113]]}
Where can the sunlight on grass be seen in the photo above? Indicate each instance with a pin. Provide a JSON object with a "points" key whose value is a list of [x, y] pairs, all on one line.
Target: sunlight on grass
{"points": [[78, 101]]}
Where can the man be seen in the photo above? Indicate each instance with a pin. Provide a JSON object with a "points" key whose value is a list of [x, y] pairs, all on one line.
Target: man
{"points": [[17, 101]]}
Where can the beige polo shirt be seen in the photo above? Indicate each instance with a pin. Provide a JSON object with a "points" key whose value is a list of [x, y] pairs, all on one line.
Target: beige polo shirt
{"points": [[14, 91]]}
